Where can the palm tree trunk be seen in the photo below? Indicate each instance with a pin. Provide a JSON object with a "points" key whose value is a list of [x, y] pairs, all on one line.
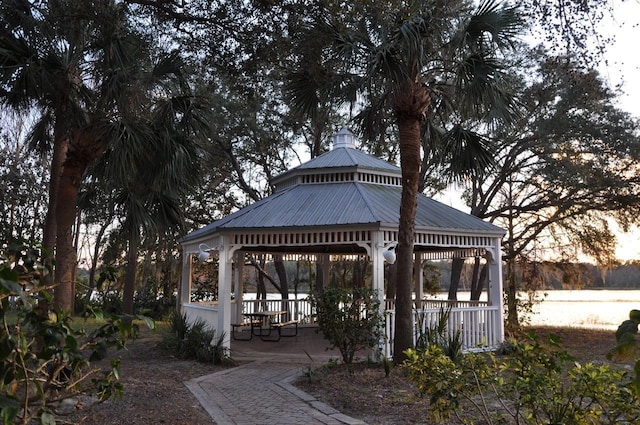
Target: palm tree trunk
{"points": [[409, 128], [82, 150], [65, 216]]}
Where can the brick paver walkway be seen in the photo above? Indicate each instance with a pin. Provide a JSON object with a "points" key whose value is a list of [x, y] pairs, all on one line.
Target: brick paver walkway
{"points": [[260, 391]]}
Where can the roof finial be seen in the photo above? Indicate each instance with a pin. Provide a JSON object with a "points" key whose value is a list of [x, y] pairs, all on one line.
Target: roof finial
{"points": [[344, 139]]}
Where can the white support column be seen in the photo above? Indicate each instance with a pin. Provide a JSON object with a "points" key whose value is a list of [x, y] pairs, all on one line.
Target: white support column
{"points": [[185, 283], [377, 280], [238, 284], [495, 296], [225, 275]]}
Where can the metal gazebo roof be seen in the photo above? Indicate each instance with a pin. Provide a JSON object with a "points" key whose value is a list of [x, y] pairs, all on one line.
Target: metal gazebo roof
{"points": [[344, 188]]}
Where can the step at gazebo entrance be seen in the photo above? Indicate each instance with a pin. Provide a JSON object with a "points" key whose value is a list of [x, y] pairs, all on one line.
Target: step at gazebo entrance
{"points": [[345, 203]]}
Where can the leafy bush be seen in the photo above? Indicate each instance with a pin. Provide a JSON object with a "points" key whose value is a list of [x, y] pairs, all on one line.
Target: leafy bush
{"points": [[350, 319], [195, 340], [45, 359], [534, 384], [627, 345], [447, 382], [151, 302]]}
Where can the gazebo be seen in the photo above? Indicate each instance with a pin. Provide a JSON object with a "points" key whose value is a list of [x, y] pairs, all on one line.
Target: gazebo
{"points": [[345, 202]]}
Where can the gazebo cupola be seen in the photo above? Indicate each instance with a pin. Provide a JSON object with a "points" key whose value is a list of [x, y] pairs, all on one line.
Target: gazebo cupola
{"points": [[344, 163]]}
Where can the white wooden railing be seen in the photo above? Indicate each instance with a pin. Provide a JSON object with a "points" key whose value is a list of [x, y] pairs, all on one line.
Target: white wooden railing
{"points": [[478, 326], [433, 303], [477, 321], [299, 309]]}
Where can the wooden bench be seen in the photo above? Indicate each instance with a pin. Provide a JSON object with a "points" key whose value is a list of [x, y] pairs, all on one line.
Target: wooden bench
{"points": [[246, 324]]}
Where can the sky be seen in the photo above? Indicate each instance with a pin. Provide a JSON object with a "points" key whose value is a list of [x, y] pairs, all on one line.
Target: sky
{"points": [[622, 56], [623, 66]]}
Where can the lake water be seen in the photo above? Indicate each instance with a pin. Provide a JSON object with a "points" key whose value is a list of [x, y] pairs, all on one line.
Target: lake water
{"points": [[597, 308], [591, 308], [602, 309]]}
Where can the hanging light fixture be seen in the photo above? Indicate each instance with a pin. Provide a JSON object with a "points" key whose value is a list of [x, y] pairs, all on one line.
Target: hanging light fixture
{"points": [[204, 255], [389, 255]]}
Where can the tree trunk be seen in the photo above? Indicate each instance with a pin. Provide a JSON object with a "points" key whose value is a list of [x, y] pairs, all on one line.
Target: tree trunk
{"points": [[475, 279], [65, 217], [512, 297], [76, 245], [318, 286], [82, 150], [359, 270], [456, 270], [282, 277], [94, 262], [480, 282], [130, 276], [392, 272], [409, 127]]}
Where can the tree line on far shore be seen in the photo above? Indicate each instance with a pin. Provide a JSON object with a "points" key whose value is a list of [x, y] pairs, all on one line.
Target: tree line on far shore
{"points": [[546, 275]]}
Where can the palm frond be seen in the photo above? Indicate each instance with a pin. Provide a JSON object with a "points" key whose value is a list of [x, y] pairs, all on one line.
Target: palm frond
{"points": [[465, 153], [137, 213], [172, 67], [39, 138], [129, 148], [485, 90], [302, 91], [495, 24]]}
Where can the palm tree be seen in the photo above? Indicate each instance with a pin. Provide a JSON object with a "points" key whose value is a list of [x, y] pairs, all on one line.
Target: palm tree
{"points": [[153, 187], [77, 65], [35, 75], [413, 60], [86, 69]]}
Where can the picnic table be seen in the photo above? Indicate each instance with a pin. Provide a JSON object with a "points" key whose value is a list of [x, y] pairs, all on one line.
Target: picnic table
{"points": [[263, 324]]}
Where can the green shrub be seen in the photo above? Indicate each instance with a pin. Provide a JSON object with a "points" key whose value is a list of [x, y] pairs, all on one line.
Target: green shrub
{"points": [[534, 384], [447, 382], [151, 302], [350, 319], [626, 347], [195, 340]]}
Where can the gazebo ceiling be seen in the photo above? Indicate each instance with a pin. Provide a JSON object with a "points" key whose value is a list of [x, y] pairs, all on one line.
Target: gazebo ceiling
{"points": [[340, 190]]}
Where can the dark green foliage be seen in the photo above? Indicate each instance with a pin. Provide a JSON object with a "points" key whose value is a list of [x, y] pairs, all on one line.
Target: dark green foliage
{"points": [[534, 384], [627, 345], [195, 340], [350, 319], [150, 301], [46, 358]]}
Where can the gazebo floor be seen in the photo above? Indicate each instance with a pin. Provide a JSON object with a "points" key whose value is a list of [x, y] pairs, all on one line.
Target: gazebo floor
{"points": [[307, 347]]}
